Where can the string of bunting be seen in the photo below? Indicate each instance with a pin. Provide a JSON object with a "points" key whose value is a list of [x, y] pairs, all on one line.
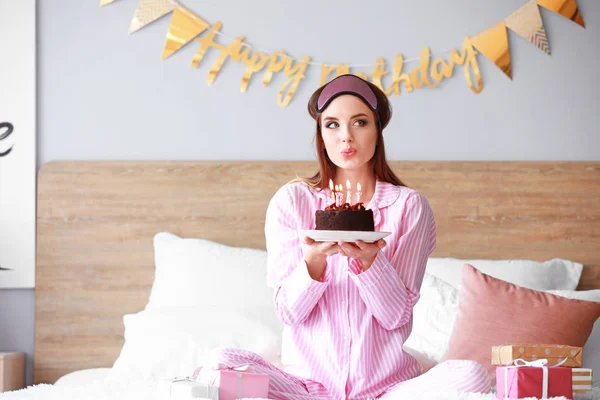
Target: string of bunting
{"points": [[492, 42]]}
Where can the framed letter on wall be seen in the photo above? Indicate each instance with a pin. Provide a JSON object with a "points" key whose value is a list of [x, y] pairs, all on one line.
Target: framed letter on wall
{"points": [[17, 143]]}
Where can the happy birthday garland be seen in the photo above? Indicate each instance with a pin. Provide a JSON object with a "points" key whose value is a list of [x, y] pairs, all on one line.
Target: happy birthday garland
{"points": [[492, 42]]}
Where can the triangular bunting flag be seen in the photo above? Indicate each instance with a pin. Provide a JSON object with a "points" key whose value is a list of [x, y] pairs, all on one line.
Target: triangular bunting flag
{"points": [[566, 8], [105, 2], [493, 43], [149, 11], [527, 22], [185, 26]]}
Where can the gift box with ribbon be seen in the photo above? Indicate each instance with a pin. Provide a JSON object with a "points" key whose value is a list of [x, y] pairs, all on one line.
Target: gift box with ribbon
{"points": [[533, 379], [554, 353], [582, 380], [185, 388], [234, 383]]}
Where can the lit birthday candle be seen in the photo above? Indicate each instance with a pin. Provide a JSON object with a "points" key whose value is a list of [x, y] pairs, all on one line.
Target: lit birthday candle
{"points": [[358, 193], [332, 192], [348, 197], [338, 195]]}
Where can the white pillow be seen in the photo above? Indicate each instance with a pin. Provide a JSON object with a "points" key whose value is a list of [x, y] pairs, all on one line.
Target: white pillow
{"points": [[436, 311], [199, 272], [205, 295], [174, 341], [433, 317], [538, 275]]}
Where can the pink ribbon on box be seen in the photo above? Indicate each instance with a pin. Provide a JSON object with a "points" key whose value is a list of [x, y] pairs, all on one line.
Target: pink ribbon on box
{"points": [[541, 363]]}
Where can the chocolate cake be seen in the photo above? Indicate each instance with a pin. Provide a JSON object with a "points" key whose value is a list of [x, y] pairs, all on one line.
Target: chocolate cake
{"points": [[345, 218]]}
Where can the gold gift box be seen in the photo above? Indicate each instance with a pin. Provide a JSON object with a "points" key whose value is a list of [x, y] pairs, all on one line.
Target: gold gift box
{"points": [[582, 380], [554, 353]]}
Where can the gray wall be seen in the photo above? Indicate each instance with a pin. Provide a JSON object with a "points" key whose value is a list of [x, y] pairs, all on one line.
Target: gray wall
{"points": [[104, 94]]}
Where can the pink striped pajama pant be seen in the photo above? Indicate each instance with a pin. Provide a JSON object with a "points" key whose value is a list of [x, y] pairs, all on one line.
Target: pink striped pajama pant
{"points": [[449, 376]]}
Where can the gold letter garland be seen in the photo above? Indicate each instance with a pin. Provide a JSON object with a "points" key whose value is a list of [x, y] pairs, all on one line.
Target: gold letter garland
{"points": [[185, 26]]}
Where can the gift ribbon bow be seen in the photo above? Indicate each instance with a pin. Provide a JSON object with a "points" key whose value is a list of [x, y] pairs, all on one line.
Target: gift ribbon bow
{"points": [[541, 363]]}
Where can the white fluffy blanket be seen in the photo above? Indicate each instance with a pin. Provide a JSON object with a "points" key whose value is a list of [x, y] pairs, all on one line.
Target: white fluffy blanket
{"points": [[146, 390]]}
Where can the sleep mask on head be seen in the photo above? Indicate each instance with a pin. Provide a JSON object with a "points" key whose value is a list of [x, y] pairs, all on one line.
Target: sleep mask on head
{"points": [[346, 84]]}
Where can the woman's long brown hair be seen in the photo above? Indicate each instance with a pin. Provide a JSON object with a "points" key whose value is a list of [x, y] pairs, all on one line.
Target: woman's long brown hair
{"points": [[327, 168]]}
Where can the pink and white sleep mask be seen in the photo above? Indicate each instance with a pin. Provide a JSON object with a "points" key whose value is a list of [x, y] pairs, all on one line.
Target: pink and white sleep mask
{"points": [[346, 84]]}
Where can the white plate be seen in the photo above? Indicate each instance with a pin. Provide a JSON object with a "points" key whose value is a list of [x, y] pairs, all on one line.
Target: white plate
{"points": [[344, 236]]}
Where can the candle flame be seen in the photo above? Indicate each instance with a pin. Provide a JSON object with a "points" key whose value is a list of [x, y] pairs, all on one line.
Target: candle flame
{"points": [[358, 187], [331, 184], [348, 184]]}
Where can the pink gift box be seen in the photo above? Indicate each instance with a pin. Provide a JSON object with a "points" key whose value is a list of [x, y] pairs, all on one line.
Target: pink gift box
{"points": [[521, 382], [234, 384]]}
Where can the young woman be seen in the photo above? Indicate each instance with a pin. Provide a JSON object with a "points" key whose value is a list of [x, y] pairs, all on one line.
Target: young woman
{"points": [[347, 307]]}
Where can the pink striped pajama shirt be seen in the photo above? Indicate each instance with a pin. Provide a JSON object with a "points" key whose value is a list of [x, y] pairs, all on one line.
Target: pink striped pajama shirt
{"points": [[343, 336]]}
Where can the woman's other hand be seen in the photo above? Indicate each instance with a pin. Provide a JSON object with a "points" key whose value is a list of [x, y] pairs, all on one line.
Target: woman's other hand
{"points": [[365, 253], [316, 254]]}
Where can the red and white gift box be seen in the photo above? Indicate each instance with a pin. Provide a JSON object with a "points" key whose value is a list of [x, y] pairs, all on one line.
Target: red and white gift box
{"points": [[533, 379]]}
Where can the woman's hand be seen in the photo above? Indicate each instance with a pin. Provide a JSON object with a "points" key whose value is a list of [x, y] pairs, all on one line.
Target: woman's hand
{"points": [[365, 253], [316, 254]]}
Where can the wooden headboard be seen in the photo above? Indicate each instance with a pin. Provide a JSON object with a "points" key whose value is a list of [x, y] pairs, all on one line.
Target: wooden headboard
{"points": [[96, 221]]}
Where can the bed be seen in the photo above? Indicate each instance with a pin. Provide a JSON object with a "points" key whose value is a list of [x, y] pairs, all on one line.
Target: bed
{"points": [[97, 219]]}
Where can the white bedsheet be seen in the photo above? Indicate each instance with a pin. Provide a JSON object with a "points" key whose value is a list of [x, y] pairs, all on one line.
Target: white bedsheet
{"points": [[147, 391], [83, 377], [90, 385]]}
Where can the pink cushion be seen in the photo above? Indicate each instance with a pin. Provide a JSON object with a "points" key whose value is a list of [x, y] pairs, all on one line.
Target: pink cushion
{"points": [[494, 312]]}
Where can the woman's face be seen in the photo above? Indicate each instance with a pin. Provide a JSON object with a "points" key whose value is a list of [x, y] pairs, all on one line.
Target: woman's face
{"points": [[349, 132]]}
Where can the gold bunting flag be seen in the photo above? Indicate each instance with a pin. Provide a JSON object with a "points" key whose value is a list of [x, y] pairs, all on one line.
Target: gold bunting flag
{"points": [[184, 27], [493, 43], [105, 2], [566, 8], [149, 11], [527, 22]]}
